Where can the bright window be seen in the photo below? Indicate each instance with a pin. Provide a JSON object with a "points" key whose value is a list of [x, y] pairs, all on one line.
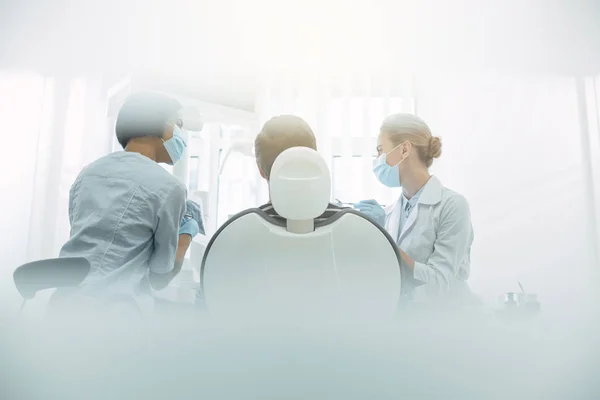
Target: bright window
{"points": [[239, 178], [354, 126], [21, 110], [198, 163], [74, 132]]}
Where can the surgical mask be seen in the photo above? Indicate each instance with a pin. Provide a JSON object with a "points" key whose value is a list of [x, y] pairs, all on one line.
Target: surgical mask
{"points": [[389, 175], [176, 145]]}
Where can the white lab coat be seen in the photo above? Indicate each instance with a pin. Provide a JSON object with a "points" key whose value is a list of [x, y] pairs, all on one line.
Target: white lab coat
{"points": [[438, 237]]}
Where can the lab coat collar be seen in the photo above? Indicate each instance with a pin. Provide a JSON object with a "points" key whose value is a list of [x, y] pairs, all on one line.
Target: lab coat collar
{"points": [[431, 195], [432, 192]]}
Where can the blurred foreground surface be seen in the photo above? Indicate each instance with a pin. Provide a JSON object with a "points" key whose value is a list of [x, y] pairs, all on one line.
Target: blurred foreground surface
{"points": [[472, 355]]}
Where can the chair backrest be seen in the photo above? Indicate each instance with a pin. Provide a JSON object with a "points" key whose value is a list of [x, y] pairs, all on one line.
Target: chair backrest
{"points": [[258, 265], [52, 273]]}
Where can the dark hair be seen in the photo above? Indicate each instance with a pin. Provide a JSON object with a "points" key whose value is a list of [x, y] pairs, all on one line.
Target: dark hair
{"points": [[144, 114]]}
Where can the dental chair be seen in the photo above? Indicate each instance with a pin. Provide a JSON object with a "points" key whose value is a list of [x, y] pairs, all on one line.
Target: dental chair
{"points": [[258, 266]]}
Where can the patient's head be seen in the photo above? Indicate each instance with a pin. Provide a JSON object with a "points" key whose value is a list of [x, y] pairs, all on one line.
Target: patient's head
{"points": [[279, 134]]}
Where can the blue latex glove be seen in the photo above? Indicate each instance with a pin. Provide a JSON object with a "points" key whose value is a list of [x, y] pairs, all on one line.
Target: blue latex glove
{"points": [[371, 209], [189, 227], [194, 211]]}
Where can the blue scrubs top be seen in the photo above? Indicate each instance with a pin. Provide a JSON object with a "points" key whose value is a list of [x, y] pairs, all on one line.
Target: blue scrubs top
{"points": [[125, 212]]}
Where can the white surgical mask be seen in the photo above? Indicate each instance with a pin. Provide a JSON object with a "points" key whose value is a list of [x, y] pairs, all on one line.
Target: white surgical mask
{"points": [[176, 145], [389, 175]]}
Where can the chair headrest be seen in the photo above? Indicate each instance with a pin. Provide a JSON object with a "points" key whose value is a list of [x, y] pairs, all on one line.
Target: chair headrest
{"points": [[300, 184]]}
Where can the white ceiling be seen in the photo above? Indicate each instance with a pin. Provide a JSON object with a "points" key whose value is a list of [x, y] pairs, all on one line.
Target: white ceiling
{"points": [[222, 50]]}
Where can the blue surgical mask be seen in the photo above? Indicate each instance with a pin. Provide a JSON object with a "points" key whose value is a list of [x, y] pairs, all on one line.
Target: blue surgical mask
{"points": [[176, 145], [389, 175]]}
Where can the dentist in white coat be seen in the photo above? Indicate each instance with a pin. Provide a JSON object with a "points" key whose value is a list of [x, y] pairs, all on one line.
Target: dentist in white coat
{"points": [[430, 223]]}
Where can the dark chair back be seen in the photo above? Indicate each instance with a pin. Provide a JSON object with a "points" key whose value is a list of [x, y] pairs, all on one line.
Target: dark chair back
{"points": [[40, 275]]}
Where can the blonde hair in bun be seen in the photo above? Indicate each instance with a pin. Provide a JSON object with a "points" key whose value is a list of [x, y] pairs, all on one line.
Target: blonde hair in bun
{"points": [[408, 127]]}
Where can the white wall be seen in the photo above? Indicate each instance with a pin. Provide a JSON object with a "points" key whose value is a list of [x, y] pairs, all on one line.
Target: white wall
{"points": [[20, 109], [512, 146], [592, 86]]}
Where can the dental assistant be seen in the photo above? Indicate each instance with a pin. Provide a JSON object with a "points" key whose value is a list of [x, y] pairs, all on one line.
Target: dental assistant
{"points": [[430, 223], [126, 211]]}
